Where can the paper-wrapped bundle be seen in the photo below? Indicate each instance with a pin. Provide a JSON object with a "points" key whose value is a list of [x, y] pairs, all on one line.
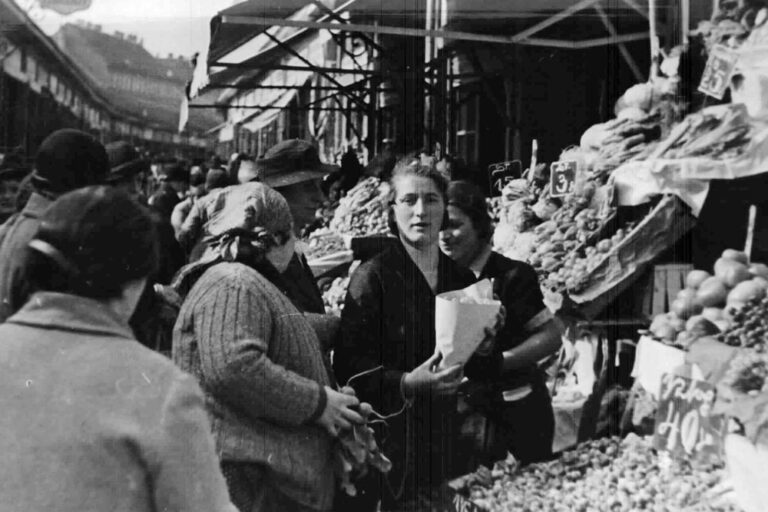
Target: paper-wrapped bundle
{"points": [[461, 318]]}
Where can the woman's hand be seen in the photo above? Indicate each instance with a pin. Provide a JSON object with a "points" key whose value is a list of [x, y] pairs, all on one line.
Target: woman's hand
{"points": [[338, 413], [424, 378]]}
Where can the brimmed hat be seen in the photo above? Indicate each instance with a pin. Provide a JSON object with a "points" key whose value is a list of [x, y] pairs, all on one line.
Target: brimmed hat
{"points": [[292, 161], [124, 161], [216, 178], [69, 159]]}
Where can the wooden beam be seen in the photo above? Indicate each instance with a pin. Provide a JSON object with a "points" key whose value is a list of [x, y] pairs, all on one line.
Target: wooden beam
{"points": [[634, 5], [371, 29], [625, 38], [274, 67], [274, 107], [622, 48], [525, 34], [284, 87]]}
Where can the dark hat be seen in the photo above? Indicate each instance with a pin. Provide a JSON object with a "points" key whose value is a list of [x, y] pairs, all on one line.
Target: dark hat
{"points": [[70, 159], [216, 178], [292, 161], [124, 161], [175, 172]]}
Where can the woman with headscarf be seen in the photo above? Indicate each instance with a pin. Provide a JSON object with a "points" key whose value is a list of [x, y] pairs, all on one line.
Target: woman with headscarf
{"points": [[92, 420], [259, 359]]}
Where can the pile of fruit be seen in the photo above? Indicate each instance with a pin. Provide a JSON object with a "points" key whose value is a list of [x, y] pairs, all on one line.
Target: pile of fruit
{"points": [[363, 211], [749, 327], [710, 304], [602, 475], [333, 297], [573, 270], [322, 243]]}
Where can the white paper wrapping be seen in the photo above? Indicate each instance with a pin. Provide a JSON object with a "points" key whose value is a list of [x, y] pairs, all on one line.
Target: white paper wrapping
{"points": [[461, 318]]}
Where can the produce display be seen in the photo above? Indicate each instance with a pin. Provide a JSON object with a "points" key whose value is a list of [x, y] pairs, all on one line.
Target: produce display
{"points": [[602, 475], [720, 304], [732, 22], [572, 273], [322, 243], [622, 139], [720, 133], [363, 211], [333, 297]]}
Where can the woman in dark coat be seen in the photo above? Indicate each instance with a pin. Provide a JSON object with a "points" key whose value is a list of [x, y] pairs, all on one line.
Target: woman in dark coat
{"points": [[513, 396], [388, 338]]}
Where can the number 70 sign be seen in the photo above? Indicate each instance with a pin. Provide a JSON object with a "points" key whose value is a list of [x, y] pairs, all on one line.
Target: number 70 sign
{"points": [[562, 178]]}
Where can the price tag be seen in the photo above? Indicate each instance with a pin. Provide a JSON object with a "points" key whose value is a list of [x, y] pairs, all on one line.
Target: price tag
{"points": [[684, 425], [562, 178], [502, 173], [717, 74]]}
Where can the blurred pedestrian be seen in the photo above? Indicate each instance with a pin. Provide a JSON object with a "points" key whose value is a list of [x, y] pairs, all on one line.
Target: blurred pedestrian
{"points": [[10, 184], [67, 159], [91, 420], [194, 193], [174, 183]]}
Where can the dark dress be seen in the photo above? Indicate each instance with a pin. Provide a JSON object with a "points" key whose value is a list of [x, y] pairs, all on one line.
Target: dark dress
{"points": [[524, 427], [388, 323]]}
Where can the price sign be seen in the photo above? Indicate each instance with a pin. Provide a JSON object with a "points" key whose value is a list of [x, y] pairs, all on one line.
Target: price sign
{"points": [[502, 173], [717, 73], [562, 178], [684, 425]]}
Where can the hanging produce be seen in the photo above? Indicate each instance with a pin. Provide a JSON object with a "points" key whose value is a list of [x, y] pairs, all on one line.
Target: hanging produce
{"points": [[323, 242]]}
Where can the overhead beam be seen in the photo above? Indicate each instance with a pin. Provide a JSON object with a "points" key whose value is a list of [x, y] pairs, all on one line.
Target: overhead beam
{"points": [[274, 107], [520, 36], [625, 38], [622, 49], [371, 29], [284, 87], [276, 67]]}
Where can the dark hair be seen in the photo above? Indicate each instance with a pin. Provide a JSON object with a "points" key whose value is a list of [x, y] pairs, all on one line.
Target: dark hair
{"points": [[468, 198], [91, 242], [414, 167]]}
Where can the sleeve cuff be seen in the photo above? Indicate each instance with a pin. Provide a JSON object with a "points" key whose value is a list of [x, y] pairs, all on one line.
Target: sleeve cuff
{"points": [[322, 402], [539, 319]]}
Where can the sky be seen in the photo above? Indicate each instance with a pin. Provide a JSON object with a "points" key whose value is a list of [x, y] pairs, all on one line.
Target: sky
{"points": [[178, 27]]}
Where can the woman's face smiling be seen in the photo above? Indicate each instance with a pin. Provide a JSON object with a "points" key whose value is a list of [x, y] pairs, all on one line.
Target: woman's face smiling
{"points": [[459, 240], [419, 210]]}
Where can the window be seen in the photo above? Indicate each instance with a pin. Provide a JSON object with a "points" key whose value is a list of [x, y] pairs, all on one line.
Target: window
{"points": [[466, 126]]}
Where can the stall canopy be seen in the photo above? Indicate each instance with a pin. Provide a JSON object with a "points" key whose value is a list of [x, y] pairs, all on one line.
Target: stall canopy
{"points": [[243, 36]]}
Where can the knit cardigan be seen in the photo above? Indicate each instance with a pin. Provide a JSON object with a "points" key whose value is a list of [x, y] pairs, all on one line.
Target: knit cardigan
{"points": [[260, 364]]}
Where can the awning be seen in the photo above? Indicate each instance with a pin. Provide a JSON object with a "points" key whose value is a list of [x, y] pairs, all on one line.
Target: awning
{"points": [[263, 118]]}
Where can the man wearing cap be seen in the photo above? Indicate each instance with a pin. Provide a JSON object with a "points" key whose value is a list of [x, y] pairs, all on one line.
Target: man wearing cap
{"points": [[66, 160]]}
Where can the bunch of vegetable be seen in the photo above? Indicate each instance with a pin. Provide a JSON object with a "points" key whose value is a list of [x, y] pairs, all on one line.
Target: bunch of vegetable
{"points": [[601, 475], [747, 372], [322, 243], [710, 304], [720, 133], [333, 297], [356, 449], [749, 327], [619, 140], [732, 22], [363, 211]]}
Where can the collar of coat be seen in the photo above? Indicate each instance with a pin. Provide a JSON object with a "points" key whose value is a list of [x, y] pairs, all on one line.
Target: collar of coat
{"points": [[51, 310]]}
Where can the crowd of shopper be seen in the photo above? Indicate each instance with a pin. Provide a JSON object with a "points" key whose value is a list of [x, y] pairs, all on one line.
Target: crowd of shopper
{"points": [[99, 278]]}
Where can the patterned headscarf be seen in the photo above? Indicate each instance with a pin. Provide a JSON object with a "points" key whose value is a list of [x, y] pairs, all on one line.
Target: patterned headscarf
{"points": [[245, 221]]}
